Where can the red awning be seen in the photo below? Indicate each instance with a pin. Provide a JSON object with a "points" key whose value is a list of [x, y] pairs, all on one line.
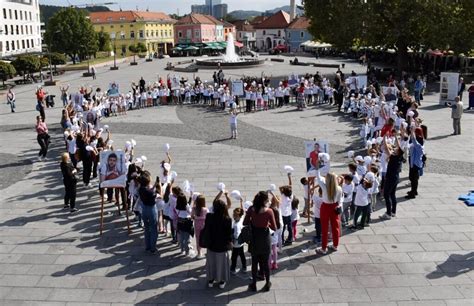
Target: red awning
{"points": [[436, 53], [238, 44]]}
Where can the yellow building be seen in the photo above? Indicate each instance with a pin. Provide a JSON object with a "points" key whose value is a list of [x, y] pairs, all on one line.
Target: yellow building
{"points": [[154, 29]]}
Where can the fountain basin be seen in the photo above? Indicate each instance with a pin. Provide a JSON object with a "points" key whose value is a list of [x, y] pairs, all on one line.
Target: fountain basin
{"points": [[220, 62]]}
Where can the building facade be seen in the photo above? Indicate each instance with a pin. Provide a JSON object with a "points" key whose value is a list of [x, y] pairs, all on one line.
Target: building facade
{"points": [[229, 28], [154, 29], [297, 33], [20, 27], [245, 34], [198, 28], [271, 31]]}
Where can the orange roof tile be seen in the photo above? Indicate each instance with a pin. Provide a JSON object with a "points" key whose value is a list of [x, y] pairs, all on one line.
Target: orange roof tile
{"points": [[299, 23], [128, 16], [279, 20], [195, 18], [258, 20], [243, 25], [153, 16]]}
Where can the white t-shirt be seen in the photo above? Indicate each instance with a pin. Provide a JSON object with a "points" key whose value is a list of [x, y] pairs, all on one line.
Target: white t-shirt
{"points": [[236, 230], [233, 119], [71, 146], [295, 215], [317, 202], [184, 213], [285, 205], [348, 189], [305, 188], [362, 196]]}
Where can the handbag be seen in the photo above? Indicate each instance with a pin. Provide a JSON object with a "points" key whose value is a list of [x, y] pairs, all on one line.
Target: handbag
{"points": [[186, 225], [245, 235]]}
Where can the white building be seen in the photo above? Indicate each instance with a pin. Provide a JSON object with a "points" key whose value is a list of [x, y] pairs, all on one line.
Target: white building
{"points": [[20, 27], [271, 31]]}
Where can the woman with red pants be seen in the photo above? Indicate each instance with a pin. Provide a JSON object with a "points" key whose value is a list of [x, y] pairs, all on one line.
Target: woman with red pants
{"points": [[330, 211]]}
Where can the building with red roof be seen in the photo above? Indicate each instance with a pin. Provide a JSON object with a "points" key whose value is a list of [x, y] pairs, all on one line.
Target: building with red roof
{"points": [[271, 31]]}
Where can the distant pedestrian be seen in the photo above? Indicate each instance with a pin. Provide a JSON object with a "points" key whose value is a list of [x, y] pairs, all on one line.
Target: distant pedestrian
{"points": [[461, 88], [456, 114], [42, 137], [93, 71], [233, 124], [40, 95], [11, 98]]}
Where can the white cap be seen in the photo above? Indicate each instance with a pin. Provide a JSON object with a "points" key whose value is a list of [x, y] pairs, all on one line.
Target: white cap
{"points": [[359, 158]]}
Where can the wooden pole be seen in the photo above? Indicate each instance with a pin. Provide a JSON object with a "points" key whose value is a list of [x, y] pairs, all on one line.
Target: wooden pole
{"points": [[124, 197]]}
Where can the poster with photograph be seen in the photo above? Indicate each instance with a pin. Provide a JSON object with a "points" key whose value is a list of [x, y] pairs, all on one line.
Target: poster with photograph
{"points": [[113, 90], [293, 79], [448, 87], [312, 149], [390, 93], [238, 88], [113, 171], [362, 81], [175, 82]]}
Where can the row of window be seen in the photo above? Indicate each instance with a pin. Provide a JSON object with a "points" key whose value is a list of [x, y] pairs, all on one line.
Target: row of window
{"points": [[20, 29], [289, 33], [14, 14], [141, 34], [197, 33], [25, 43]]}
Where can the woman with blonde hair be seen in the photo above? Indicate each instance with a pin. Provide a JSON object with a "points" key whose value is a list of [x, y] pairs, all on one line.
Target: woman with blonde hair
{"points": [[331, 209], [70, 182]]}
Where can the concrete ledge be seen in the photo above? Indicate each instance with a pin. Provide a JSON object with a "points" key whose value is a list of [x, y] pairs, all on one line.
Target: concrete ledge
{"points": [[280, 60], [50, 83]]}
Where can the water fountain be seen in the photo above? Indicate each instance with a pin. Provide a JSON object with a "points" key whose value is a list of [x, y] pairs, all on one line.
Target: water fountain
{"points": [[230, 59]]}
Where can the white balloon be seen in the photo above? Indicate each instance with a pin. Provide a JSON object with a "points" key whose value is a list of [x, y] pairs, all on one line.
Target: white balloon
{"points": [[138, 160], [273, 187], [221, 186], [89, 148], [106, 127], [166, 147], [288, 169], [143, 157], [134, 143], [247, 205], [236, 194], [350, 154], [167, 166]]}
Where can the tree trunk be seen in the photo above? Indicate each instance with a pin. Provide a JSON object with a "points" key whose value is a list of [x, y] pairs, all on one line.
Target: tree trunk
{"points": [[402, 57]]}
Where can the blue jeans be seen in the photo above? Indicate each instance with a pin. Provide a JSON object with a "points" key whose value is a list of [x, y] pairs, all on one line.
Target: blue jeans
{"points": [[183, 241], [150, 217]]}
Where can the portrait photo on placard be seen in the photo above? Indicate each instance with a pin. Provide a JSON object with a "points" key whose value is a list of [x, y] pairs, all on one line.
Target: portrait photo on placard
{"points": [[312, 150], [113, 170]]}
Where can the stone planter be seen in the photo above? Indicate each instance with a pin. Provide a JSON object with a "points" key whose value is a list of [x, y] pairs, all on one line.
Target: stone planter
{"points": [[50, 83], [114, 68], [133, 63]]}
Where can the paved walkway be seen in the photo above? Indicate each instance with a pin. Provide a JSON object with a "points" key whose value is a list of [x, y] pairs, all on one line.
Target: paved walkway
{"points": [[49, 257]]}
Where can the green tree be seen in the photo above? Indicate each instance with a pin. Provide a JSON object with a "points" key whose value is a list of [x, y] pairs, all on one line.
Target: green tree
{"points": [[137, 49], [398, 23], [71, 33], [27, 64], [104, 42], [7, 71]]}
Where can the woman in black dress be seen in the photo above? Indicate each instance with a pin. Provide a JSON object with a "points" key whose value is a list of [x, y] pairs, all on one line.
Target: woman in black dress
{"points": [[70, 181]]}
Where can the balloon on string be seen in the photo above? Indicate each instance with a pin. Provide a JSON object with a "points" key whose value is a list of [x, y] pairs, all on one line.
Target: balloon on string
{"points": [[324, 157], [273, 187], [221, 187], [350, 154], [288, 169], [134, 143], [166, 147], [106, 127], [247, 205], [236, 194], [143, 157], [110, 142], [167, 166]]}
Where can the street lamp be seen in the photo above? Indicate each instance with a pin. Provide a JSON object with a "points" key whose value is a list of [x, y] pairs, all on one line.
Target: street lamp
{"points": [[51, 81], [115, 67]]}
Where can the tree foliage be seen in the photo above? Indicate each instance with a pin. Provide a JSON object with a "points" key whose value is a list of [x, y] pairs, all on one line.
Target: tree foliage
{"points": [[397, 23], [26, 64], [71, 33], [137, 48], [7, 71], [104, 42]]}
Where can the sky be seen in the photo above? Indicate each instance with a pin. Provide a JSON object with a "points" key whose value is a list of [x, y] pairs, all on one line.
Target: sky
{"points": [[172, 6]]}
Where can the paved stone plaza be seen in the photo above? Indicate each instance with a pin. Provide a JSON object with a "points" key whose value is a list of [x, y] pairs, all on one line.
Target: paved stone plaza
{"points": [[50, 257]]}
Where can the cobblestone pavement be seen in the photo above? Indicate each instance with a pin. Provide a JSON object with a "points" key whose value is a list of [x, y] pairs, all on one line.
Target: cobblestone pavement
{"points": [[49, 257]]}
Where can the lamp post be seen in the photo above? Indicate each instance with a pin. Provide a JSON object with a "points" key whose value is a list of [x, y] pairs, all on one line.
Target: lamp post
{"points": [[51, 82], [115, 67]]}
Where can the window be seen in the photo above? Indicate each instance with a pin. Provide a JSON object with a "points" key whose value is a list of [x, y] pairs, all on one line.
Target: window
{"points": [[23, 43], [17, 30], [122, 35], [289, 34], [7, 45], [31, 29], [140, 34], [302, 34], [21, 16], [156, 33], [109, 18], [16, 15], [196, 33], [161, 33], [112, 26], [12, 29], [10, 13], [13, 45], [264, 32], [279, 32], [132, 34], [122, 18], [21, 29], [6, 30], [240, 35], [180, 34], [5, 14], [131, 25], [27, 43], [32, 44], [31, 19], [146, 33], [26, 30]]}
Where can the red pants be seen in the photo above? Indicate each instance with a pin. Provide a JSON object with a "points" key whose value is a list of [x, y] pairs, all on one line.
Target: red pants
{"points": [[328, 213]]}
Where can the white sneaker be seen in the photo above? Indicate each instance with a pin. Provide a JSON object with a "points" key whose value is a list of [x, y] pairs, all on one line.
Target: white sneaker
{"points": [[222, 285], [385, 217], [39, 158]]}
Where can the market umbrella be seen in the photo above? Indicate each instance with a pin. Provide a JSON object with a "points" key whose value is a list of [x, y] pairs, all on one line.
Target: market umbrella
{"points": [[191, 48]]}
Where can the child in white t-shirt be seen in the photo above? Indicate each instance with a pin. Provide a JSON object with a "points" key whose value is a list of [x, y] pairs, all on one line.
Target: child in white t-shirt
{"points": [[237, 249], [317, 202], [304, 182], [233, 124], [347, 190], [361, 202]]}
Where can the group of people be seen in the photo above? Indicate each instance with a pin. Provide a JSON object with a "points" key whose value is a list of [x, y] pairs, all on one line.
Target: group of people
{"points": [[391, 134]]}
